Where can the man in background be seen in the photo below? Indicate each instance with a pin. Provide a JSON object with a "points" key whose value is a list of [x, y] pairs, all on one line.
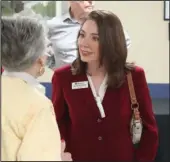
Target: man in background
{"points": [[63, 32]]}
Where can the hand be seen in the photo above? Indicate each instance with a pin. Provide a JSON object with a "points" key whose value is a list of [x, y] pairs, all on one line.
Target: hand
{"points": [[65, 156]]}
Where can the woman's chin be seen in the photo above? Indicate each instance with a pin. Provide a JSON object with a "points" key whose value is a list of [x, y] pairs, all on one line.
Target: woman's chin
{"points": [[85, 59]]}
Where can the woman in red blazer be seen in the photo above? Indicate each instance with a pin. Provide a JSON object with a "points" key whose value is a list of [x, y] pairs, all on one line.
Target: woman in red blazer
{"points": [[92, 101]]}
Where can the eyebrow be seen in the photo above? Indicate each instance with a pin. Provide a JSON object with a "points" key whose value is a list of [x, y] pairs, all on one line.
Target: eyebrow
{"points": [[91, 33]]}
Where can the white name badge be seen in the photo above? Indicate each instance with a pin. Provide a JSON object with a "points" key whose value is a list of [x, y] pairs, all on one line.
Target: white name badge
{"points": [[80, 85]]}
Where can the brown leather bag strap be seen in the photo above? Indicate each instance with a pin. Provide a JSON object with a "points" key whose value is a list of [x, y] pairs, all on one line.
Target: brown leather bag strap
{"points": [[131, 88], [134, 103]]}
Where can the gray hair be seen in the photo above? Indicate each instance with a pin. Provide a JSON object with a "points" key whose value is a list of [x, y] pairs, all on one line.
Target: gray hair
{"points": [[22, 42], [28, 12]]}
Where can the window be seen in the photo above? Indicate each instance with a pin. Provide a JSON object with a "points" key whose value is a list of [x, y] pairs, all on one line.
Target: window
{"points": [[166, 10], [47, 9]]}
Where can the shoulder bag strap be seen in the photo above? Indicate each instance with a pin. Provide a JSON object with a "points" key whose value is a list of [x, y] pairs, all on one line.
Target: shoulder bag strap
{"points": [[134, 103]]}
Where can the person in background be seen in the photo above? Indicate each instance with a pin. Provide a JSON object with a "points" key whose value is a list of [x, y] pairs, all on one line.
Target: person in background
{"points": [[63, 33], [92, 98], [29, 128]]}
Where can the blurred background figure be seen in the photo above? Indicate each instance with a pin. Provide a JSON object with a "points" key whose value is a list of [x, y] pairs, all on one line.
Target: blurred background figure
{"points": [[29, 128]]}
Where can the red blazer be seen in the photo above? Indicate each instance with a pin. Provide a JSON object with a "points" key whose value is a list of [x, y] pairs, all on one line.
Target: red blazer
{"points": [[87, 136]]}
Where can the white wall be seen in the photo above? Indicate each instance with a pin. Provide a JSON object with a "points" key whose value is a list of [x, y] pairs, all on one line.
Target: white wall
{"points": [[149, 34], [144, 22]]}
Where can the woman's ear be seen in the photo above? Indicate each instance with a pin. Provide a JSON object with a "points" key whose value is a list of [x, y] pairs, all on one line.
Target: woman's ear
{"points": [[41, 65], [40, 61]]}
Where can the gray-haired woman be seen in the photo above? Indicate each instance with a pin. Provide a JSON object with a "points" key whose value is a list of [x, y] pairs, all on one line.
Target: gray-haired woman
{"points": [[29, 129]]}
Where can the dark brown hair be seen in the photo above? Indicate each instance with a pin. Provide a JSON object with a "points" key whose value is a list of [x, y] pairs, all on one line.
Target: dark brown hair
{"points": [[112, 47]]}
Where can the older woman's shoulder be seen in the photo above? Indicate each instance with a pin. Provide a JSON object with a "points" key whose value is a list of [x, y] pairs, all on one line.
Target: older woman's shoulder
{"points": [[21, 100], [39, 98], [36, 103]]}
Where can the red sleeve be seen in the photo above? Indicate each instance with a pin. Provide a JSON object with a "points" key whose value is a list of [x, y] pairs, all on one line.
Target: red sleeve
{"points": [[149, 141], [60, 107], [2, 70]]}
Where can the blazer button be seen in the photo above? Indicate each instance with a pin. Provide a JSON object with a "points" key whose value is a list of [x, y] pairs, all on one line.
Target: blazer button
{"points": [[100, 138], [99, 120]]}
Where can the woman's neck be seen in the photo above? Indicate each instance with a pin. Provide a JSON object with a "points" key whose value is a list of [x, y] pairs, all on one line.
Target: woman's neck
{"points": [[94, 69], [31, 71]]}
